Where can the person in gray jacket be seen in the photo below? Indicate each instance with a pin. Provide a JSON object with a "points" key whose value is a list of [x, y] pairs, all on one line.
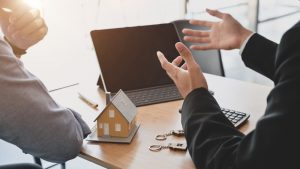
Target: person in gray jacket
{"points": [[29, 117]]}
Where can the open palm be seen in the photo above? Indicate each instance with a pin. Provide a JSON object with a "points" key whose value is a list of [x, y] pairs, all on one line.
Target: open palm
{"points": [[226, 34], [187, 77]]}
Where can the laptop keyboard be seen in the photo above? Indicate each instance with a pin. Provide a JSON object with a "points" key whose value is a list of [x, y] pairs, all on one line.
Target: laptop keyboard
{"points": [[154, 95]]}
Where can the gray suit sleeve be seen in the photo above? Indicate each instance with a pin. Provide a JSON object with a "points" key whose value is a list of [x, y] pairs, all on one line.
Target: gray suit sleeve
{"points": [[31, 119]]}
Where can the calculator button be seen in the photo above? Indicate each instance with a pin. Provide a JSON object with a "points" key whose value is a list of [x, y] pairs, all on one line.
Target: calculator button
{"points": [[231, 117]]}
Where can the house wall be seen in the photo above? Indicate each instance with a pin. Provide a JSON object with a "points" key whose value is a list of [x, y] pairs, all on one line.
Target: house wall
{"points": [[132, 124], [118, 119]]}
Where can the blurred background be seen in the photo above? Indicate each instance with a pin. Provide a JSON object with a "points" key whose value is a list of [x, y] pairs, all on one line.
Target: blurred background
{"points": [[60, 58]]}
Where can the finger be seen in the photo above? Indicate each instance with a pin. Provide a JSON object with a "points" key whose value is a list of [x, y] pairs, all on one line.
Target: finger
{"points": [[25, 19], [17, 12], [165, 64], [194, 69], [202, 47], [177, 61], [216, 13], [38, 35], [184, 66], [34, 37], [185, 53], [202, 23], [32, 27], [197, 39], [192, 32]]}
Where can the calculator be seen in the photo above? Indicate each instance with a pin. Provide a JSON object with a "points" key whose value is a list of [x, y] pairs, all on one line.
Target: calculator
{"points": [[237, 118]]}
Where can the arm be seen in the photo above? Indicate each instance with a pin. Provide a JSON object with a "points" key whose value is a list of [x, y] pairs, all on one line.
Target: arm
{"points": [[213, 143], [211, 138], [31, 119], [259, 55]]}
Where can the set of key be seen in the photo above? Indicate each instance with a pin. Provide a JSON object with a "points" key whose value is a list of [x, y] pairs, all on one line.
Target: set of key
{"points": [[172, 146]]}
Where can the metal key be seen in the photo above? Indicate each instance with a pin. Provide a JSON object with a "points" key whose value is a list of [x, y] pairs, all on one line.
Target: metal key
{"points": [[178, 146], [177, 133], [172, 146]]}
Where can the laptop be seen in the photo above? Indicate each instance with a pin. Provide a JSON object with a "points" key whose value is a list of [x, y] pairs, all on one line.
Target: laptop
{"points": [[128, 61]]}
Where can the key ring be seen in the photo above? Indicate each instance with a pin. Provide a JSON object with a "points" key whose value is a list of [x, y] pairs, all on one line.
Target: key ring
{"points": [[155, 148], [161, 137]]}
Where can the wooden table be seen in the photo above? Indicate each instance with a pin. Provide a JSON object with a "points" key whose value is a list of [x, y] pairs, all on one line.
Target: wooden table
{"points": [[159, 119]]}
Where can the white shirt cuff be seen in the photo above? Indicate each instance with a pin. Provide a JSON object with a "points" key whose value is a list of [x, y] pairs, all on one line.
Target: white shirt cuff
{"points": [[245, 43]]}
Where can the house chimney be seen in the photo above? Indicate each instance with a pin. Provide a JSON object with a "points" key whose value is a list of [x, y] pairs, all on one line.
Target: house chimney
{"points": [[107, 97]]}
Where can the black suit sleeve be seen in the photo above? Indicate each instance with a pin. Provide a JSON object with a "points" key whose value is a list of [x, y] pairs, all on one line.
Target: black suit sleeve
{"points": [[214, 143], [211, 138], [259, 55]]}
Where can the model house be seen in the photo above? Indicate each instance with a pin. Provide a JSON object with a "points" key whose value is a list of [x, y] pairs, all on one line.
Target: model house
{"points": [[118, 117]]}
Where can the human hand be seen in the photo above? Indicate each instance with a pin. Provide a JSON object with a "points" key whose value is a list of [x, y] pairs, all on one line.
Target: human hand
{"points": [[187, 77], [226, 34], [24, 26]]}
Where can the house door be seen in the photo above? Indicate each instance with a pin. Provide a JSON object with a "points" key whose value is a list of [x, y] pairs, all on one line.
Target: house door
{"points": [[106, 129]]}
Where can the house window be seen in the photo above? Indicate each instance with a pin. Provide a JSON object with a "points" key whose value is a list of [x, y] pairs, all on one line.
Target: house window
{"points": [[111, 113], [117, 127], [100, 125]]}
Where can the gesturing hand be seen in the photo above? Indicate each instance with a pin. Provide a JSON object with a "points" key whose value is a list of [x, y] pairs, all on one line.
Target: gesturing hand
{"points": [[24, 27], [187, 77], [226, 34]]}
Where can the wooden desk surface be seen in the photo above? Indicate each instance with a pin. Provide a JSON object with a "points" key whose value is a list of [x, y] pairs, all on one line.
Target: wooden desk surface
{"points": [[159, 119]]}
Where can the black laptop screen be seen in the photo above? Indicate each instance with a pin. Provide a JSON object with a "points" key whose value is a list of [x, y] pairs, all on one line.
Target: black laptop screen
{"points": [[127, 56]]}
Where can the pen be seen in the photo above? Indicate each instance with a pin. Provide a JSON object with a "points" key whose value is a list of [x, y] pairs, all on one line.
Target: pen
{"points": [[88, 101]]}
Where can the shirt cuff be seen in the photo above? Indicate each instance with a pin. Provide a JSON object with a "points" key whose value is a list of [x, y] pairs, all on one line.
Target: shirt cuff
{"points": [[245, 43], [85, 128]]}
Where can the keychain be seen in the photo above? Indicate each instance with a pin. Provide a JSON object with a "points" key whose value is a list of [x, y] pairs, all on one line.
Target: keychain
{"points": [[172, 146], [177, 133]]}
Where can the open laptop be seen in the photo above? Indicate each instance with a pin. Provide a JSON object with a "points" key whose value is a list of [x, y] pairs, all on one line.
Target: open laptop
{"points": [[128, 61]]}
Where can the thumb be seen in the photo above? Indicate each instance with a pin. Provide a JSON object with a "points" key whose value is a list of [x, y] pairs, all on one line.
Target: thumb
{"points": [[4, 15]]}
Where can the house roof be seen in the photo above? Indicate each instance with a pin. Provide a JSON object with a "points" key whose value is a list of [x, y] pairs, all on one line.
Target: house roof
{"points": [[124, 105]]}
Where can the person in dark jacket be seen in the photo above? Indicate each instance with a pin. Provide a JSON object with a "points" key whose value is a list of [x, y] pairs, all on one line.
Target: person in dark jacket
{"points": [[213, 142]]}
